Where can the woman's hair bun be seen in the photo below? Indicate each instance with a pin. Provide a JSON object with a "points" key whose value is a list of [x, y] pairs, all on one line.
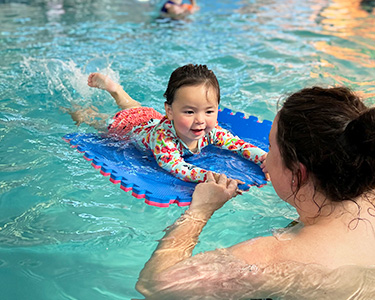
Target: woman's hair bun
{"points": [[360, 133]]}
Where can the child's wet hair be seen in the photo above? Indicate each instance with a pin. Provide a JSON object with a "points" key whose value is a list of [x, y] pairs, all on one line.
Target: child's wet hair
{"points": [[190, 75]]}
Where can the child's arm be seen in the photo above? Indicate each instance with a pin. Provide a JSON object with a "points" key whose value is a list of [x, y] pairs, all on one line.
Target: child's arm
{"points": [[224, 139], [169, 158]]}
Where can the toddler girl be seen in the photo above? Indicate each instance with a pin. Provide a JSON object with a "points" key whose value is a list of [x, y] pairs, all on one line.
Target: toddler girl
{"points": [[190, 124]]}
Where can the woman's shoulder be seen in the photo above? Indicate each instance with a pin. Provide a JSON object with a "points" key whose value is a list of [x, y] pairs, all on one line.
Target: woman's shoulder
{"points": [[262, 250]]}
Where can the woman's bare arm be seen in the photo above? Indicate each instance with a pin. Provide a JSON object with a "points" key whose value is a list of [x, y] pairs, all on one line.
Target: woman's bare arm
{"points": [[181, 238]]}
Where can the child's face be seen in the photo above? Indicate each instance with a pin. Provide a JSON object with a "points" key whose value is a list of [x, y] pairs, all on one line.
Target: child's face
{"points": [[194, 113]]}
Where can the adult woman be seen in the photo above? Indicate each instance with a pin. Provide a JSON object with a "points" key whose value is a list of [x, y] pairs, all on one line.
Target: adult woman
{"points": [[322, 162]]}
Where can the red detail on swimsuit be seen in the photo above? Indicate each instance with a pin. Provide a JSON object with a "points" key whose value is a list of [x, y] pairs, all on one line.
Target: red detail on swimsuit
{"points": [[187, 6], [125, 120]]}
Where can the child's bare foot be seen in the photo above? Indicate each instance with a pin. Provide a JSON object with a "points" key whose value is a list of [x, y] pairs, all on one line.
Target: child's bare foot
{"points": [[102, 82], [123, 100]]}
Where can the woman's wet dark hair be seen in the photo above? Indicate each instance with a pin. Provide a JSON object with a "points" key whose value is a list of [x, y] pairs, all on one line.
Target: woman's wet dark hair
{"points": [[332, 133], [190, 75]]}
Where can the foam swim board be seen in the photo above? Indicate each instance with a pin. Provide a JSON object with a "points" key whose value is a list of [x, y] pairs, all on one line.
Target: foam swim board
{"points": [[138, 172]]}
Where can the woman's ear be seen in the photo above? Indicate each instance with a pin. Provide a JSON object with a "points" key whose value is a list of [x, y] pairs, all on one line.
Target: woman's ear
{"points": [[300, 177], [303, 173], [168, 111]]}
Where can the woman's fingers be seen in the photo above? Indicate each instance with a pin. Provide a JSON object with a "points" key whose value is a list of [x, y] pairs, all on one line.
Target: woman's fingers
{"points": [[222, 179], [239, 181], [210, 177], [232, 185]]}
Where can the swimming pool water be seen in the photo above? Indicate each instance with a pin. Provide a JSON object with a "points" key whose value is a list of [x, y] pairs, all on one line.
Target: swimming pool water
{"points": [[68, 233]]}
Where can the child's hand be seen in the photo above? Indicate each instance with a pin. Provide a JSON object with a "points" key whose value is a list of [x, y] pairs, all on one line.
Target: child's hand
{"points": [[264, 166]]}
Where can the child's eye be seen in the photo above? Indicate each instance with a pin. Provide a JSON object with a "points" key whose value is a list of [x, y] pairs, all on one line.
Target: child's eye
{"points": [[189, 112], [210, 112]]}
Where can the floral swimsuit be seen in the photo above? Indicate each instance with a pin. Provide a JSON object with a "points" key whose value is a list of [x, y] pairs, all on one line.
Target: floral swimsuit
{"points": [[160, 137]]}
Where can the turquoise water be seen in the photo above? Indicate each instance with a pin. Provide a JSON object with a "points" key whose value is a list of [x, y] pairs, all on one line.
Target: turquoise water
{"points": [[66, 232]]}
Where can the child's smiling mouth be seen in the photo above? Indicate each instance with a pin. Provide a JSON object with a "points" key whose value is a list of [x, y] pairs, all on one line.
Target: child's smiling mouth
{"points": [[198, 131]]}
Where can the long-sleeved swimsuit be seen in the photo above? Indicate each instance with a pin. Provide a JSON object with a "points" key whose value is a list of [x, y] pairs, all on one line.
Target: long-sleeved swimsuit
{"points": [[160, 137]]}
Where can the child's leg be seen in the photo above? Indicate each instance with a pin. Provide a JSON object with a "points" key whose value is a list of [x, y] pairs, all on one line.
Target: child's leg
{"points": [[89, 116], [123, 100]]}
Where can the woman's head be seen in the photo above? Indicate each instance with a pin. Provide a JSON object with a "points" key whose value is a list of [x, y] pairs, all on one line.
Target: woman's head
{"points": [[191, 75], [331, 133]]}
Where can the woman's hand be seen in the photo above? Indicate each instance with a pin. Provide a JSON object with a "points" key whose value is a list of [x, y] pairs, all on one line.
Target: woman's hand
{"points": [[217, 177], [211, 195]]}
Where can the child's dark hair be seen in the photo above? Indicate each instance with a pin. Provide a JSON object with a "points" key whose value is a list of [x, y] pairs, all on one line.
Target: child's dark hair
{"points": [[332, 133], [190, 75]]}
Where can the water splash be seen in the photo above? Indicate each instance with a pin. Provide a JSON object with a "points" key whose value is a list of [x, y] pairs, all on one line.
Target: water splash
{"points": [[66, 78]]}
